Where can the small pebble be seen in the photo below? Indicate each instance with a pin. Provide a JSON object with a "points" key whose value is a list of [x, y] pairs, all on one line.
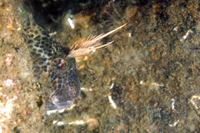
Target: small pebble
{"points": [[92, 123]]}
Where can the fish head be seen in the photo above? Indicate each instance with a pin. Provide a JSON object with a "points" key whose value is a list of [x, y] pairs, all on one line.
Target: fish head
{"points": [[65, 84]]}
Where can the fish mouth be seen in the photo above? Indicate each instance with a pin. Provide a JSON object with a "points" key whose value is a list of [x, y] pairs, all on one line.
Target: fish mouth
{"points": [[60, 105], [64, 93]]}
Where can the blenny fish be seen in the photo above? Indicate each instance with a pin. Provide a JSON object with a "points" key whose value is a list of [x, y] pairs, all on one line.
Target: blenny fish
{"points": [[57, 61]]}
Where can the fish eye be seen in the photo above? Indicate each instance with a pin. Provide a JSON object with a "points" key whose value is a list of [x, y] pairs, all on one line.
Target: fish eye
{"points": [[59, 64]]}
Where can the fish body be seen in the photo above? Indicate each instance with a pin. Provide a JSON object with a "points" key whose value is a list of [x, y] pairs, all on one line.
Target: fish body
{"points": [[57, 61], [49, 56]]}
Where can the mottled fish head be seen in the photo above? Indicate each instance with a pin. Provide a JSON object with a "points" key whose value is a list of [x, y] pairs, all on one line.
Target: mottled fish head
{"points": [[65, 85]]}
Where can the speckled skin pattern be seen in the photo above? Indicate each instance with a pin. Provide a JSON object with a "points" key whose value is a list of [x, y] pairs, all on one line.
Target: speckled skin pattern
{"points": [[49, 56]]}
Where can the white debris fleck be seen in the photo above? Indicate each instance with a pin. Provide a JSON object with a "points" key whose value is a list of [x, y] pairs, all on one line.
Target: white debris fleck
{"points": [[8, 83], [112, 102], [38, 84], [175, 28], [129, 34], [71, 23], [86, 89], [173, 104], [54, 111], [141, 82], [156, 84], [174, 124], [78, 122], [9, 58], [186, 35], [58, 123], [53, 33], [195, 100], [112, 86]]}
